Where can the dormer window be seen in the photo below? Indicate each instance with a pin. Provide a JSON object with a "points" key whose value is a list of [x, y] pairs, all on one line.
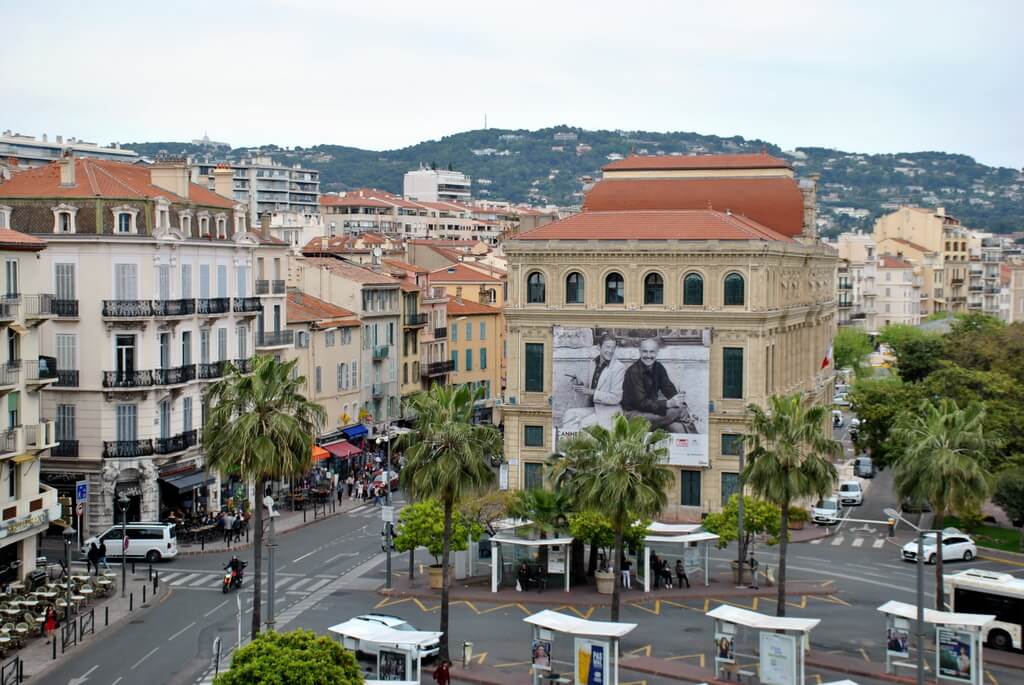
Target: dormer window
{"points": [[222, 227], [185, 222], [64, 218], [5, 216], [204, 224], [125, 219]]}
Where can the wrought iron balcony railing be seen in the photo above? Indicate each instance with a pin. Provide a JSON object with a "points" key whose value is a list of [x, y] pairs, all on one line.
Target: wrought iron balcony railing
{"points": [[41, 369], [120, 449], [175, 375], [175, 443], [174, 307], [127, 379], [438, 368], [65, 448], [380, 352], [248, 305], [127, 309], [67, 378], [210, 370], [416, 319], [274, 338], [10, 373], [440, 333], [216, 305], [65, 308]]}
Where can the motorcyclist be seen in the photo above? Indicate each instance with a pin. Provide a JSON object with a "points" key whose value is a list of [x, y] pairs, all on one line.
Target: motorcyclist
{"points": [[235, 566]]}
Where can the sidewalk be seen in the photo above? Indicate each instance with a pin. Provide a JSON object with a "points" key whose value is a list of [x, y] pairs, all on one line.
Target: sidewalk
{"points": [[38, 656]]}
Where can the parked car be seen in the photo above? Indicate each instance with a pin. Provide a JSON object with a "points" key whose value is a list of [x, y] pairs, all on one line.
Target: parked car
{"points": [[850, 492], [863, 467], [955, 545], [431, 649], [827, 511], [840, 400], [151, 541], [911, 506]]}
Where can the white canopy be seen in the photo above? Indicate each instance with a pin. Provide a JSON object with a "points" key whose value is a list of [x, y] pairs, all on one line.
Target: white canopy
{"points": [[570, 625], [671, 528], [688, 537], [510, 524], [942, 618], [504, 539], [752, 619], [367, 631], [524, 542]]}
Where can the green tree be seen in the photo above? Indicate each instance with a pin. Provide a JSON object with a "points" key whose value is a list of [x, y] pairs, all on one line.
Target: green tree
{"points": [[878, 403], [421, 524], [298, 657], [1008, 495], [261, 427], [759, 518], [447, 457], [619, 472], [943, 451], [788, 460], [547, 509], [849, 348], [918, 357], [595, 528], [898, 334]]}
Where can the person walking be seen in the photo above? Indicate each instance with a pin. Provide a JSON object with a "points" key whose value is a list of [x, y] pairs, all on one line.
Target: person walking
{"points": [[51, 624], [681, 574], [93, 559], [627, 582], [350, 484], [442, 676], [229, 523], [103, 555], [236, 529]]}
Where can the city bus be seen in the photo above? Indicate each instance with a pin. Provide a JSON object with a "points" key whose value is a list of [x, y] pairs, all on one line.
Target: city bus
{"points": [[987, 592]]}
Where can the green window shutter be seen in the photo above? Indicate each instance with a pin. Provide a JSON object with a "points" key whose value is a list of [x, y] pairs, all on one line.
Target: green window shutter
{"points": [[693, 290], [730, 486], [732, 372], [534, 361], [533, 476], [533, 436], [689, 488], [455, 360], [732, 444]]}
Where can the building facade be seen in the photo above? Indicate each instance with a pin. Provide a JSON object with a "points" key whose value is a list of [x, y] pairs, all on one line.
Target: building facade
{"points": [[892, 293], [475, 341], [265, 187], [436, 185]]}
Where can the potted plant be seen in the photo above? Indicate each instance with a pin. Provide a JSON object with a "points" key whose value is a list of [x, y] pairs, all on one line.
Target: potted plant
{"points": [[422, 525], [596, 530], [798, 516], [759, 518]]}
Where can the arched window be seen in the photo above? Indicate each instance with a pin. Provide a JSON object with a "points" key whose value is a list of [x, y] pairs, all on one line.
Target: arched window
{"points": [[654, 289], [734, 289], [693, 289], [574, 288], [614, 289], [535, 288]]}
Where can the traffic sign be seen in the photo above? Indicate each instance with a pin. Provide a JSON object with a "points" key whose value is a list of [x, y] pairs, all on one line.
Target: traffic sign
{"points": [[124, 543], [80, 509], [81, 491], [387, 514]]}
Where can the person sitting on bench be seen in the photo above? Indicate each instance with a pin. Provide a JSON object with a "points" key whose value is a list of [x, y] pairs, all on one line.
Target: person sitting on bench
{"points": [[681, 574]]}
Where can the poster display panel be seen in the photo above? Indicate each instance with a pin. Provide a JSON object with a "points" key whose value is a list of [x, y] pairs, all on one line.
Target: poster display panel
{"points": [[540, 655], [392, 665], [955, 655], [897, 637], [778, 659], [591, 662]]}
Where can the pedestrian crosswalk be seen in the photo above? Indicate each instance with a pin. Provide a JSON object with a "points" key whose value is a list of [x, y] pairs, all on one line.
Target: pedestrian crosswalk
{"points": [[857, 541], [211, 580]]}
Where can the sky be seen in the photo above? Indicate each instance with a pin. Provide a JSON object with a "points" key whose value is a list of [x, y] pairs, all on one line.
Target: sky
{"points": [[864, 76]]}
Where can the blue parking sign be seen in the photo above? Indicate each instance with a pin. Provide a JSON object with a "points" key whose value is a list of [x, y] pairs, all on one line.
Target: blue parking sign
{"points": [[81, 491]]}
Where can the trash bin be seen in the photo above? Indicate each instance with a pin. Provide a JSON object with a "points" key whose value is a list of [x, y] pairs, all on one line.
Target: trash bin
{"points": [[467, 654]]}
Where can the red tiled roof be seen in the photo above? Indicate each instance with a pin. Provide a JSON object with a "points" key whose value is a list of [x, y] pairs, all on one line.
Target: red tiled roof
{"points": [[351, 271], [459, 273], [889, 262], [303, 308], [901, 241], [667, 162], [14, 240], [405, 266], [683, 224], [460, 307], [102, 178], [773, 202]]}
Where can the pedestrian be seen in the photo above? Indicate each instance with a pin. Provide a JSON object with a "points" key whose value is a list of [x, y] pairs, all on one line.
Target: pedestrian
{"points": [[51, 624], [236, 529], [441, 674], [350, 484], [103, 554], [92, 559], [229, 523], [627, 582], [681, 573]]}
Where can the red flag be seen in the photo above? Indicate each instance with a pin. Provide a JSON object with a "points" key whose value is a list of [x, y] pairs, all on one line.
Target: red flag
{"points": [[828, 358]]}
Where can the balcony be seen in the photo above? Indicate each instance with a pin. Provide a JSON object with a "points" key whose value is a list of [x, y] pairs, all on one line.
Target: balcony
{"points": [[127, 449], [974, 305], [266, 287], [857, 316], [265, 339], [127, 309], [975, 289], [40, 436], [66, 378], [379, 390], [956, 280], [65, 448], [435, 295], [41, 371], [416, 319], [10, 376], [174, 375], [248, 305], [8, 310], [174, 307], [67, 309], [210, 371], [127, 379], [845, 305], [213, 306], [30, 514], [9, 441], [243, 365], [989, 290], [958, 298], [441, 333], [37, 307], [380, 352], [175, 443], [845, 285], [438, 368]]}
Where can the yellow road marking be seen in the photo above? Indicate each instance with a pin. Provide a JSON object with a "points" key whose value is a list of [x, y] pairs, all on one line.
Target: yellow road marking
{"points": [[1002, 561], [699, 657], [645, 650], [514, 663], [479, 658], [992, 677], [864, 654], [582, 614]]}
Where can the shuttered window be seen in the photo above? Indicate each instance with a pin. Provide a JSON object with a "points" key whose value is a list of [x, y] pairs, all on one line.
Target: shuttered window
{"points": [[732, 372], [534, 358]]}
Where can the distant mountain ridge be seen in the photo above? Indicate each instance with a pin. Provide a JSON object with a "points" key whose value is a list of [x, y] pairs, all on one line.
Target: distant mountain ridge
{"points": [[549, 166]]}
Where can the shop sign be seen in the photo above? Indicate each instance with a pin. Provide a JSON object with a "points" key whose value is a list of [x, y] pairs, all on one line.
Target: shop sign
{"points": [[129, 491], [24, 522]]}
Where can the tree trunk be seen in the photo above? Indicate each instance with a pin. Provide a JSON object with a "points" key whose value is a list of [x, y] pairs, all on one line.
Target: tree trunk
{"points": [[592, 561], [940, 605], [579, 572], [412, 565], [257, 557], [617, 567], [780, 609], [445, 551]]}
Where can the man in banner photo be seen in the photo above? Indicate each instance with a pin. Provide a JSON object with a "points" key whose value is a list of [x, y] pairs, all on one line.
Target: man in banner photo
{"points": [[602, 393], [647, 391]]}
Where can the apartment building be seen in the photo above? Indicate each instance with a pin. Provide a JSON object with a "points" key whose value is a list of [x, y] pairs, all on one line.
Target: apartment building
{"points": [[265, 187], [471, 282], [375, 298], [22, 152], [152, 289], [436, 185], [328, 345], [891, 293], [985, 287], [1012, 307], [735, 305], [475, 344], [27, 505]]}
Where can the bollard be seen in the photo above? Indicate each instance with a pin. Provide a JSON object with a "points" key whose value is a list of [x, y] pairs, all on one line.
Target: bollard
{"points": [[106, 615], [54, 641], [156, 581], [303, 514], [467, 654], [247, 535], [133, 568], [131, 600], [151, 570], [202, 542], [143, 593]]}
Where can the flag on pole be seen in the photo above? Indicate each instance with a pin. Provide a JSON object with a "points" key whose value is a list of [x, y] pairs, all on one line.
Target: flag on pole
{"points": [[828, 358]]}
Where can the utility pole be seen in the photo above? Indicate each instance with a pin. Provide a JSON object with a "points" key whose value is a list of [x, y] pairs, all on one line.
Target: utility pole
{"points": [[268, 502], [739, 526], [386, 439]]}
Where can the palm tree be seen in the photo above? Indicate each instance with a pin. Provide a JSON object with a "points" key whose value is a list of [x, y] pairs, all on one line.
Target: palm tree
{"points": [[619, 472], [261, 427], [788, 461], [545, 508], [447, 457]]}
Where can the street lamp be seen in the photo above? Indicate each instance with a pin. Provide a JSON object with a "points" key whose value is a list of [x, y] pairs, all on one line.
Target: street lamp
{"points": [[386, 440], [122, 501], [895, 515], [69, 537]]}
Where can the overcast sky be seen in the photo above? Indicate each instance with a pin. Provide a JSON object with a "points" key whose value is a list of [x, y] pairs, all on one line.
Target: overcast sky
{"points": [[860, 76]]}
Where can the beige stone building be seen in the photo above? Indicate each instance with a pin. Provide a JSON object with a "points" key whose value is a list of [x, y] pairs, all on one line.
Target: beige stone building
{"points": [[892, 293], [475, 342], [738, 300]]}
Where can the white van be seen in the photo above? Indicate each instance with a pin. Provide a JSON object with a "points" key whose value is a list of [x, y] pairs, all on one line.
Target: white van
{"points": [[151, 541]]}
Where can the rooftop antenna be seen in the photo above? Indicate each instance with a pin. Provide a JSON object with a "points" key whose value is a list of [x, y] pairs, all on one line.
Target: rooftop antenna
{"points": [[485, 121]]}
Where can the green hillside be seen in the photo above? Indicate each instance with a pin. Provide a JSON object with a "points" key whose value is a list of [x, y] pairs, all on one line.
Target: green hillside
{"points": [[528, 166]]}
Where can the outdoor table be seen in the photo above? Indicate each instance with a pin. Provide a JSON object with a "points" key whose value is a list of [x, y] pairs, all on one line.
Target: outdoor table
{"points": [[104, 581], [46, 595], [29, 603], [18, 585], [4, 639], [80, 579], [9, 612]]}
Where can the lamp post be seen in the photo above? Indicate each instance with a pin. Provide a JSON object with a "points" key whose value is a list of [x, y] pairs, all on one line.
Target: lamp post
{"points": [[386, 440], [69, 537], [893, 514], [272, 513], [122, 500]]}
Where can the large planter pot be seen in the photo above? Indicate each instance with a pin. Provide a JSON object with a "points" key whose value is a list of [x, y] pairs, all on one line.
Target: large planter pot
{"points": [[605, 582], [735, 572], [796, 525], [436, 576]]}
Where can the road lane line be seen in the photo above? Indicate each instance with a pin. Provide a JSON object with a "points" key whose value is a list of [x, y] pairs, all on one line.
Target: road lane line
{"points": [[338, 556], [308, 554], [815, 541], [86, 674], [857, 542], [317, 585], [119, 679], [207, 614], [294, 588], [281, 583], [151, 653], [838, 541], [181, 631], [879, 543]]}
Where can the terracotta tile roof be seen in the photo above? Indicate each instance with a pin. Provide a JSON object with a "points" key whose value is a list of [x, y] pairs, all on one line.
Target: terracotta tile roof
{"points": [[889, 262], [15, 240], [303, 308], [341, 244], [907, 243], [684, 224], [409, 286], [760, 160], [460, 273], [405, 266], [102, 178], [773, 202], [353, 272], [460, 307], [353, 200]]}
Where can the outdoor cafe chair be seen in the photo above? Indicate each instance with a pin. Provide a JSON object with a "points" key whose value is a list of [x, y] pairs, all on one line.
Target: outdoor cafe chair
{"points": [[34, 624]]}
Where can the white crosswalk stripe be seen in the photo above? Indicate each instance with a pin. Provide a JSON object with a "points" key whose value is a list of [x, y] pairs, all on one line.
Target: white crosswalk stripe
{"points": [[184, 579], [879, 543], [815, 541], [838, 541], [857, 542]]}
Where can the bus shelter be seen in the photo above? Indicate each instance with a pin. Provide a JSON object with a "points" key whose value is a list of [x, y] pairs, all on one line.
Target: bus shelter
{"points": [[687, 539], [399, 652], [558, 563], [958, 640], [595, 648], [781, 642]]}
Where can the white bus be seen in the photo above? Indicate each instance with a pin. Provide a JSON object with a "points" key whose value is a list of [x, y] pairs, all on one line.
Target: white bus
{"points": [[986, 592]]}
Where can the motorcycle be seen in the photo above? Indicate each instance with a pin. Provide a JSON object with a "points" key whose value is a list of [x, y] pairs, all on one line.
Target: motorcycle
{"points": [[232, 579]]}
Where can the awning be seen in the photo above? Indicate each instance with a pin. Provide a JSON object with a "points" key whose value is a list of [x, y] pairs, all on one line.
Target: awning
{"points": [[752, 619], [366, 631], [319, 454], [570, 625], [189, 481], [22, 458], [342, 450], [355, 431]]}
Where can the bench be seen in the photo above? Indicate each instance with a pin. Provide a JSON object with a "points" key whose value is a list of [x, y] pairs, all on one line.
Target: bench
{"points": [[738, 669]]}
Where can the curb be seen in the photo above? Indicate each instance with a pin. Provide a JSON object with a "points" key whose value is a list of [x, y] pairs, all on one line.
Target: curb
{"points": [[248, 545]]}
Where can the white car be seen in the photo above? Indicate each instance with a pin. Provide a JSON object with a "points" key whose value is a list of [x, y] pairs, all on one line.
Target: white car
{"points": [[840, 400], [395, 623], [827, 511], [850, 492], [955, 545]]}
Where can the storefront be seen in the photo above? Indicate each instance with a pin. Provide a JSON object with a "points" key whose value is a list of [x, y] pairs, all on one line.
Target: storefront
{"points": [[184, 489], [343, 458]]}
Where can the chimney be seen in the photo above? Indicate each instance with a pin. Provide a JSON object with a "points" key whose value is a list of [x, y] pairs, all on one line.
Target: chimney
{"points": [[940, 211], [223, 181], [171, 174], [67, 168], [809, 190], [265, 225]]}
